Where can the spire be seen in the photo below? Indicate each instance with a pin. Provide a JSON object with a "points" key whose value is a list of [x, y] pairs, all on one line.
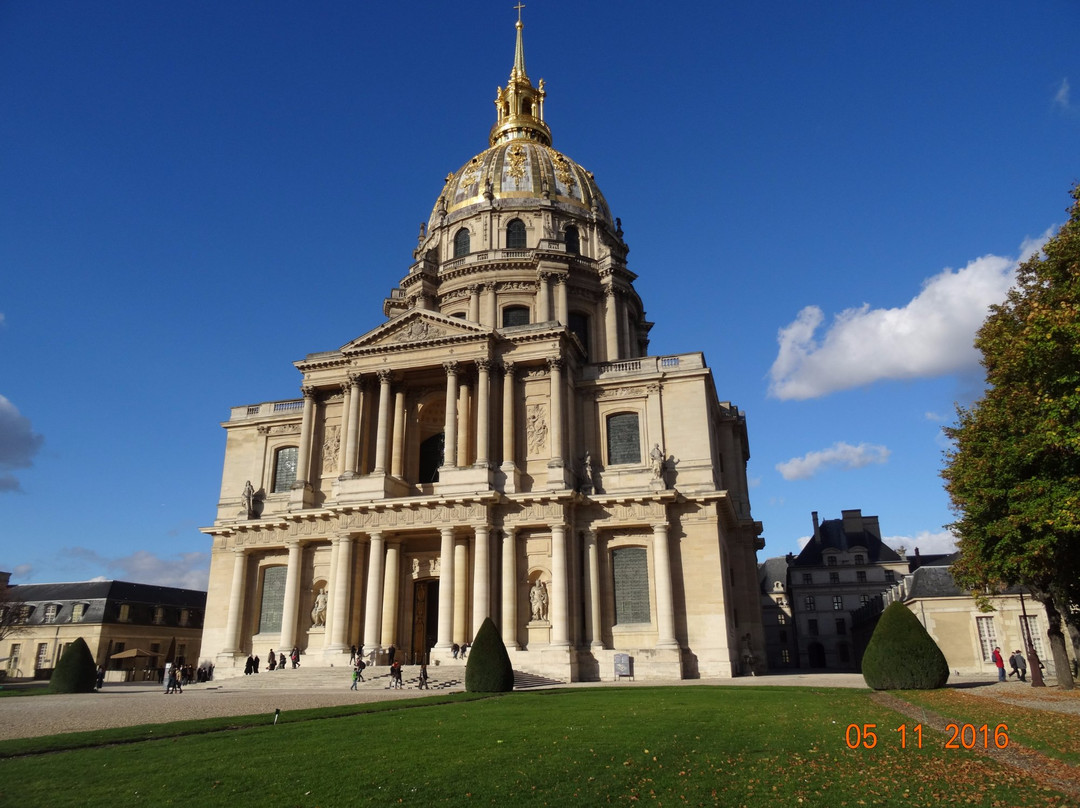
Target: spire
{"points": [[520, 107]]}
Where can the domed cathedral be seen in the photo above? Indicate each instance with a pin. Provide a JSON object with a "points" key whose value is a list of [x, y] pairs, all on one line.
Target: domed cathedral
{"points": [[502, 446]]}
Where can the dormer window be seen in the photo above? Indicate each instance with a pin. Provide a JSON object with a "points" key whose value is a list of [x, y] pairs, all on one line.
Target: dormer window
{"points": [[51, 610], [77, 612]]}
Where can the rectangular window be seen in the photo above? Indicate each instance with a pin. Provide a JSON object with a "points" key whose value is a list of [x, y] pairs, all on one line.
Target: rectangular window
{"points": [[860, 576], [42, 655], [273, 599], [1032, 627], [890, 575], [630, 567], [50, 612], [77, 612], [285, 469], [159, 615], [807, 578], [808, 601], [623, 438], [832, 561], [834, 577], [859, 559], [125, 613], [841, 626], [837, 602], [811, 627], [13, 659], [987, 637], [785, 656], [864, 599], [781, 618]]}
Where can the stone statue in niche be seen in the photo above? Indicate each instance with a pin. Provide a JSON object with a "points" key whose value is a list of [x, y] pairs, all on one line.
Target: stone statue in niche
{"points": [[318, 611], [657, 458], [585, 484], [538, 600], [248, 498]]}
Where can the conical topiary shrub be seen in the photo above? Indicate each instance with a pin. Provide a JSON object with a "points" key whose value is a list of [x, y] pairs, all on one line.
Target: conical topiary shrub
{"points": [[901, 655], [488, 669], [75, 672]]}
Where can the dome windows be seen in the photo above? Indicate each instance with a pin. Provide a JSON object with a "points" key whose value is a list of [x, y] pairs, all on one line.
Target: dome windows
{"points": [[515, 235], [573, 241], [515, 315], [461, 243]]}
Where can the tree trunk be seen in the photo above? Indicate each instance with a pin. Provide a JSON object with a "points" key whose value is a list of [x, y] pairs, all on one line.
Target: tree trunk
{"points": [[1062, 668]]}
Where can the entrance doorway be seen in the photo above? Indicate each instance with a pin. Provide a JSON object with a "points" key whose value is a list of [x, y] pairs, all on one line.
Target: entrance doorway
{"points": [[425, 622]]}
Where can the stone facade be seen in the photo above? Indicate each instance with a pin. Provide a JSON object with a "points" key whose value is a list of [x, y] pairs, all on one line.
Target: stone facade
{"points": [[502, 445]]}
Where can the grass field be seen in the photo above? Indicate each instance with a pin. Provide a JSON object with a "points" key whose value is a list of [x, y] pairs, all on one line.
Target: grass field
{"points": [[751, 746]]}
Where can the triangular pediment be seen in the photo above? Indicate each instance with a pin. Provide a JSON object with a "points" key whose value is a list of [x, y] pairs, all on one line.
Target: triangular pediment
{"points": [[414, 328]]}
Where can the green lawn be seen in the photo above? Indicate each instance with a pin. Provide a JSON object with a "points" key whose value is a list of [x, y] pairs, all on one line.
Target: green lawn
{"points": [[672, 745]]}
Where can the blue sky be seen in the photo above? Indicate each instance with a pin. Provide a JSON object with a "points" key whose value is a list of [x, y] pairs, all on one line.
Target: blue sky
{"points": [[822, 197]]}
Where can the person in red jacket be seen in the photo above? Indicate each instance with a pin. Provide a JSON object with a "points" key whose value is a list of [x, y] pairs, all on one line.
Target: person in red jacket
{"points": [[1000, 662]]}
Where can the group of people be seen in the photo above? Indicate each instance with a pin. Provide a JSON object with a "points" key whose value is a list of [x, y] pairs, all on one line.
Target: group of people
{"points": [[274, 662], [396, 681], [1016, 661], [459, 650]]}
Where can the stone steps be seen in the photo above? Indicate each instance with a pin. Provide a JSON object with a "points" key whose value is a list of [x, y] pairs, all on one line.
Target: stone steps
{"points": [[440, 677]]}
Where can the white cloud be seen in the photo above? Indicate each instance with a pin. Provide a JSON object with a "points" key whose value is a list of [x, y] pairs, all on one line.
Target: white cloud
{"points": [[931, 336], [1061, 97], [927, 543], [184, 570], [18, 444], [840, 454]]}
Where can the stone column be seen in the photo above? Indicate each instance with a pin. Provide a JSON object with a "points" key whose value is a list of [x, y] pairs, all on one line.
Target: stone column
{"points": [[543, 298], [626, 348], [461, 589], [346, 428], [342, 591], [558, 392], [236, 602], [290, 608], [396, 458], [450, 427], [464, 413], [446, 590], [352, 419], [558, 614], [611, 325], [665, 609], [483, 413], [509, 589], [481, 608], [307, 426], [372, 612], [391, 581], [474, 303], [492, 314], [508, 415], [382, 444], [592, 592], [561, 308]]}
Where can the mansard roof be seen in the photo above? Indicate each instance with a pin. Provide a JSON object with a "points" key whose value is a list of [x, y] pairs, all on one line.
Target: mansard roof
{"points": [[832, 536]]}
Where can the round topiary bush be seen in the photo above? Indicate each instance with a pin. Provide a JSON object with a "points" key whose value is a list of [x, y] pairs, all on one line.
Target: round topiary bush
{"points": [[488, 669], [75, 672], [901, 655]]}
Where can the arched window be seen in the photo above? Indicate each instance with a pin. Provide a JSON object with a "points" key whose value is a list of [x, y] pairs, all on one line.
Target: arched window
{"points": [[461, 243], [623, 438], [431, 457], [515, 315], [573, 241], [285, 469], [515, 235], [273, 599]]}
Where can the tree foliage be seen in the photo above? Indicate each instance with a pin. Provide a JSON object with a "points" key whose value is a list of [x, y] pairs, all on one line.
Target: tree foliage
{"points": [[1014, 472], [75, 672], [901, 654], [488, 669], [11, 612]]}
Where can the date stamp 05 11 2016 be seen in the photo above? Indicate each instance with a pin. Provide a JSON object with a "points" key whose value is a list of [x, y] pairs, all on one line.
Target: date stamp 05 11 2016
{"points": [[961, 736]]}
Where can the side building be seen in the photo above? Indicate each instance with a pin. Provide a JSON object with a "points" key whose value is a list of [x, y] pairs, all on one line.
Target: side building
{"points": [[840, 570], [129, 627], [502, 445]]}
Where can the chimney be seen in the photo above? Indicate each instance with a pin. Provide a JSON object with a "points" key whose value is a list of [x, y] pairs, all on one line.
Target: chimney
{"points": [[817, 530]]}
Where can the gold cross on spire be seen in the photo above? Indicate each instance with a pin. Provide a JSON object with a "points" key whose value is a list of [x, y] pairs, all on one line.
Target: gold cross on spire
{"points": [[519, 6]]}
